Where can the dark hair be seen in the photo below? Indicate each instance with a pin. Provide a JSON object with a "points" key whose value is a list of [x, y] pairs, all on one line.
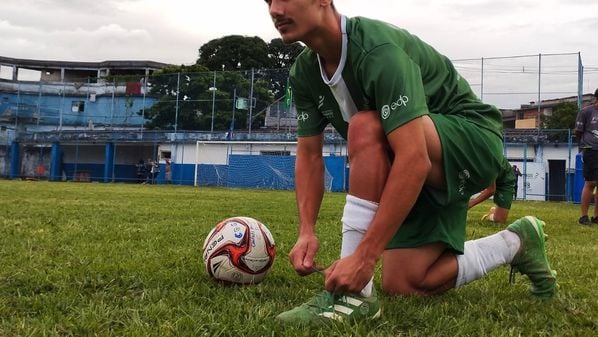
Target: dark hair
{"points": [[596, 93]]}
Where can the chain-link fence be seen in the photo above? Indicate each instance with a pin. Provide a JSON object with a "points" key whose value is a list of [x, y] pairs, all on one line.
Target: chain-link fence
{"points": [[509, 82], [199, 101], [254, 99]]}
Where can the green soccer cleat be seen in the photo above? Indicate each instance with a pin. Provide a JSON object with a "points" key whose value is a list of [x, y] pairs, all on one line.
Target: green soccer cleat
{"points": [[531, 259], [327, 307]]}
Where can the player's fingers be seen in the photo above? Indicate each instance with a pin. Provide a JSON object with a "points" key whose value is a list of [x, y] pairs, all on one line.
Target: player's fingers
{"points": [[308, 258], [331, 268], [296, 260], [329, 280]]}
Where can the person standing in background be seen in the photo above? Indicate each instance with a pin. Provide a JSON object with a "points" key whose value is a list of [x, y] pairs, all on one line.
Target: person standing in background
{"points": [[586, 131], [168, 171], [517, 174]]}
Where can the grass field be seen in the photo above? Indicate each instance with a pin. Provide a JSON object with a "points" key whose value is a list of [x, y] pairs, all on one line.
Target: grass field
{"points": [[125, 260]]}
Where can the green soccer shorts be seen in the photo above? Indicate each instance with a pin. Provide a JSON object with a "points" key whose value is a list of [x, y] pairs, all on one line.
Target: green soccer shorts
{"points": [[472, 159]]}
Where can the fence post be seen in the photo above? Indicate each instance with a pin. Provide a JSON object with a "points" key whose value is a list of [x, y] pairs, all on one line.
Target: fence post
{"points": [[108, 162], [55, 162], [15, 160]]}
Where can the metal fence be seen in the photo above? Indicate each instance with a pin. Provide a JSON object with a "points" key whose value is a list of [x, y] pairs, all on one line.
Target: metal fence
{"points": [[253, 99], [510, 81]]}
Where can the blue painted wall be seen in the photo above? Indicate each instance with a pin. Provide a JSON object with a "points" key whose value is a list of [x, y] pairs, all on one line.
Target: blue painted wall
{"points": [[269, 172], [121, 111]]}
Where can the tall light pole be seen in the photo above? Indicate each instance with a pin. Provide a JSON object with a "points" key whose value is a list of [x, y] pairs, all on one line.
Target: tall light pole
{"points": [[213, 90], [176, 107], [250, 102]]}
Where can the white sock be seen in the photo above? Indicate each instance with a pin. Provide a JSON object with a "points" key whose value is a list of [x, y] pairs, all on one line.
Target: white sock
{"points": [[491, 217], [357, 216], [485, 254]]}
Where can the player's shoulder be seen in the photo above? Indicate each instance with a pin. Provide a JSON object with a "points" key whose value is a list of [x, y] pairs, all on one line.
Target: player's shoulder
{"points": [[590, 109], [368, 33], [306, 63]]}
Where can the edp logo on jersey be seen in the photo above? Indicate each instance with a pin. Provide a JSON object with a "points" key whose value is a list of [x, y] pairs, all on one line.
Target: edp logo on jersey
{"points": [[303, 116], [387, 109]]}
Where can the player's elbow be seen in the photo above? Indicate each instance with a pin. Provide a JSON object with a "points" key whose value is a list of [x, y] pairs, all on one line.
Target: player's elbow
{"points": [[421, 164]]}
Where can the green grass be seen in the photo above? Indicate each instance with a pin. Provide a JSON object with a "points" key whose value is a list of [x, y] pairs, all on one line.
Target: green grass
{"points": [[125, 260]]}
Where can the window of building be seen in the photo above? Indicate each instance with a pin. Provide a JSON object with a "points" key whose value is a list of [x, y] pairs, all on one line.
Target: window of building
{"points": [[165, 154], [5, 72], [78, 106]]}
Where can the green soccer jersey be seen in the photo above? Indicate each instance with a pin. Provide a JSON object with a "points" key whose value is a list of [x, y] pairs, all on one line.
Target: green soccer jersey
{"points": [[382, 68]]}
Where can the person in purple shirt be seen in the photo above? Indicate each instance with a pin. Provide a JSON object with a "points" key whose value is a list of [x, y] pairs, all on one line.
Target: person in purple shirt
{"points": [[586, 130]]}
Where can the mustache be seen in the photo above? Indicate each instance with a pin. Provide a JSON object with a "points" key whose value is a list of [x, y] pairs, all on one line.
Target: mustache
{"points": [[281, 21]]}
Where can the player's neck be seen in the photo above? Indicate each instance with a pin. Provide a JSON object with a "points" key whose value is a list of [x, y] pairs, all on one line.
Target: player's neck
{"points": [[327, 42]]}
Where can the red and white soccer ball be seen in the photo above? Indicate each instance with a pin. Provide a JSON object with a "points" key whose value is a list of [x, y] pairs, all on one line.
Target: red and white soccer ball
{"points": [[239, 250]]}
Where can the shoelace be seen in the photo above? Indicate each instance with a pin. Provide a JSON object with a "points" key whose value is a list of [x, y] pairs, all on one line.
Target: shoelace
{"points": [[320, 300], [512, 274]]}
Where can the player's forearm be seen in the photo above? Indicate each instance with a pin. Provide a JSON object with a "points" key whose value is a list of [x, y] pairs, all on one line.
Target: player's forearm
{"points": [[484, 195], [402, 189], [309, 190], [501, 215], [578, 136]]}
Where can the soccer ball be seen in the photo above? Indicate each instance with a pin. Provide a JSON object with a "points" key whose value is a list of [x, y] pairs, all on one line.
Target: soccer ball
{"points": [[239, 250]]}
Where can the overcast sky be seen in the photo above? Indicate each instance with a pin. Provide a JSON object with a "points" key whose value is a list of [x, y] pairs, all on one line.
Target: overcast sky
{"points": [[171, 31]]}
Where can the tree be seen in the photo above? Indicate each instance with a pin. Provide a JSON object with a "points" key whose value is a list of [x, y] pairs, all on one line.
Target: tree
{"points": [[234, 52], [193, 108], [188, 111], [244, 59], [563, 116], [282, 57]]}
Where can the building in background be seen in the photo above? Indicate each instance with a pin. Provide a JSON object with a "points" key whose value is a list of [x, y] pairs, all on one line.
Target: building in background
{"points": [[38, 95]]}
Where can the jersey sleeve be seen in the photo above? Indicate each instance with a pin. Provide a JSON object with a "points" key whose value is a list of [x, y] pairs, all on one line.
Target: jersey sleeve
{"points": [[310, 121], [505, 186], [393, 82]]}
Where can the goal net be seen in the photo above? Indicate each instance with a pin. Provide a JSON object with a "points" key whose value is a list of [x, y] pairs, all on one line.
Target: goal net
{"points": [[249, 164]]}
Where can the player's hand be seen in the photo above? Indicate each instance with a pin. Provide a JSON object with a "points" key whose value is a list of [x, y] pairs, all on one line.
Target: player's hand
{"points": [[303, 253], [349, 274]]}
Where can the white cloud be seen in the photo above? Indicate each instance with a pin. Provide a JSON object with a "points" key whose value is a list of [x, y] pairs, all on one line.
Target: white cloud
{"points": [[173, 31]]}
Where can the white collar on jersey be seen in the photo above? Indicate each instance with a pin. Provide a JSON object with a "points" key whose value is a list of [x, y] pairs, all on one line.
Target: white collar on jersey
{"points": [[341, 65]]}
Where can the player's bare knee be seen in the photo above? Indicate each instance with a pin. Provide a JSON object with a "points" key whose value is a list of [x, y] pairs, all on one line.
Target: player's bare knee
{"points": [[366, 134]]}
